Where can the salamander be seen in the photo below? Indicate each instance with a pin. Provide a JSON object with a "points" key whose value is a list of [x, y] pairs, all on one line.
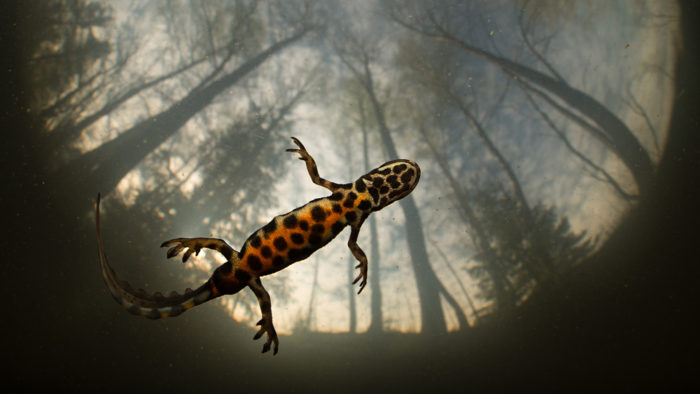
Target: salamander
{"points": [[286, 239]]}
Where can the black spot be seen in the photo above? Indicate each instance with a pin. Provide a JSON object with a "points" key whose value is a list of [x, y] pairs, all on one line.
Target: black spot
{"points": [[318, 214], [399, 192], [255, 241], [345, 186], [398, 169], [406, 176], [360, 186], [367, 177], [177, 309], [337, 227], [337, 208], [391, 179], [374, 193], [318, 229], [243, 250], [351, 216], [254, 262], [377, 181], [290, 221], [395, 185], [242, 276], [385, 171], [266, 252], [297, 238], [304, 225], [278, 261], [336, 197], [300, 254], [364, 205], [349, 203], [280, 243], [315, 239], [270, 227], [384, 201], [384, 189]]}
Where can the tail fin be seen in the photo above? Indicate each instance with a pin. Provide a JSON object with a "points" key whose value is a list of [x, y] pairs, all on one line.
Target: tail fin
{"points": [[139, 302]]}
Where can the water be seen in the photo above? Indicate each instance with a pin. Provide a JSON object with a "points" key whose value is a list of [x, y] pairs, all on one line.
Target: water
{"points": [[544, 247]]}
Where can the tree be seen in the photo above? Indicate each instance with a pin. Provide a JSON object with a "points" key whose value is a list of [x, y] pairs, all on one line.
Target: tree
{"points": [[356, 56], [605, 126]]}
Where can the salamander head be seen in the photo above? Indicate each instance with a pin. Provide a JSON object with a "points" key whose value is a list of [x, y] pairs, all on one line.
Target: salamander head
{"points": [[391, 181]]}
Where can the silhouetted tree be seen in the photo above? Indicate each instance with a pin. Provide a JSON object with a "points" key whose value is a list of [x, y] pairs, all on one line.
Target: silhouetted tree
{"points": [[445, 23]]}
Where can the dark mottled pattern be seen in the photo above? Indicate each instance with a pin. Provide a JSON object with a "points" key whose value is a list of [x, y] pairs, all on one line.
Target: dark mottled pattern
{"points": [[350, 200], [290, 221], [377, 181], [278, 261], [270, 227], [399, 192], [304, 225], [280, 243], [337, 227], [318, 214], [407, 176], [300, 254], [374, 193], [350, 216], [177, 309], [399, 168], [315, 239], [385, 171], [318, 229], [336, 196], [360, 186], [266, 252], [337, 208], [384, 189], [254, 262], [364, 205], [255, 241], [297, 238]]}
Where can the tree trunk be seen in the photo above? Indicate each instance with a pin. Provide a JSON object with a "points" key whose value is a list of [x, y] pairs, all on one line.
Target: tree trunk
{"points": [[102, 168]]}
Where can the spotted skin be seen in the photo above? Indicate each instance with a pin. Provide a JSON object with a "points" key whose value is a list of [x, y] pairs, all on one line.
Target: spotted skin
{"points": [[286, 239]]}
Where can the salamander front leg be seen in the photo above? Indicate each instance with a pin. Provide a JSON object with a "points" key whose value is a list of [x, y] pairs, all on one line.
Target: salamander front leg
{"points": [[311, 167], [360, 256], [194, 245], [266, 322]]}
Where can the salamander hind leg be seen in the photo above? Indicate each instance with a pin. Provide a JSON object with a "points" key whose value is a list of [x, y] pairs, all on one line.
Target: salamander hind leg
{"points": [[265, 323], [359, 256], [194, 245]]}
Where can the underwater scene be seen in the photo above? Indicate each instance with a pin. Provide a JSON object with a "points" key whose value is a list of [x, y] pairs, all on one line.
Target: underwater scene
{"points": [[350, 196]]}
